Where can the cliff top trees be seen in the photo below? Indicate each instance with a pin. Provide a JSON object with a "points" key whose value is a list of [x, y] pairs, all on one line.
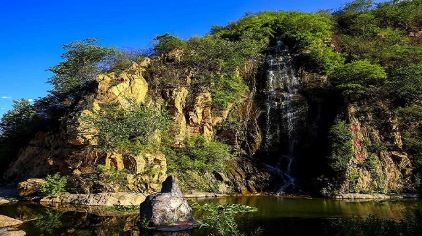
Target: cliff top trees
{"points": [[16, 127], [83, 61]]}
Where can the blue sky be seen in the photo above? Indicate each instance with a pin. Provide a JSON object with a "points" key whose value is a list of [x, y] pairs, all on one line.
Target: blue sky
{"points": [[32, 32]]}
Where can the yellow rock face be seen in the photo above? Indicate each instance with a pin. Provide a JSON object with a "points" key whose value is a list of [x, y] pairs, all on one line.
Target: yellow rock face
{"points": [[128, 86]]}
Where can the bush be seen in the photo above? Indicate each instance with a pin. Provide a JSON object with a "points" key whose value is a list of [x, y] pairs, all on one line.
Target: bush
{"points": [[358, 78], [132, 130], [341, 146], [199, 155], [220, 219], [55, 185]]}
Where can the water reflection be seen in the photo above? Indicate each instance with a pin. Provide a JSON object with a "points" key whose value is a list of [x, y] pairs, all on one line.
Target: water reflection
{"points": [[275, 216]]}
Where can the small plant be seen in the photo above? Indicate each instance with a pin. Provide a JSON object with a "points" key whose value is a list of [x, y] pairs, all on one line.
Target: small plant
{"points": [[54, 185], [221, 219]]}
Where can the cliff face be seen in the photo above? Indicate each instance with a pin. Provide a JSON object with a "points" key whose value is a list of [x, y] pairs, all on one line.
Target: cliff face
{"points": [[72, 148], [379, 163]]}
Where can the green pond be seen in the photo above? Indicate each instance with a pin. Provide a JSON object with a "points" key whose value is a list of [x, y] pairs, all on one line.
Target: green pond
{"points": [[275, 216]]}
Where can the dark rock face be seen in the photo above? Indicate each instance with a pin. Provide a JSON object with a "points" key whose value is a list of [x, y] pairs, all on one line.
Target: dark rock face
{"points": [[167, 208]]}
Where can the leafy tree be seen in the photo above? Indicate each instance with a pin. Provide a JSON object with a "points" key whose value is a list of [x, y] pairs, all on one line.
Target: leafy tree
{"points": [[405, 85], [357, 19], [166, 43], [83, 60], [405, 15], [356, 79], [16, 128]]}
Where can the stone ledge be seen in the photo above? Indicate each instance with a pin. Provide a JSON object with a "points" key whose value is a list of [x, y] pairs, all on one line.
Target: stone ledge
{"points": [[97, 199]]}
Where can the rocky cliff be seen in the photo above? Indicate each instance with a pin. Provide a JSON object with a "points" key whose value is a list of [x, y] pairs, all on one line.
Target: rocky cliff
{"points": [[72, 148]]}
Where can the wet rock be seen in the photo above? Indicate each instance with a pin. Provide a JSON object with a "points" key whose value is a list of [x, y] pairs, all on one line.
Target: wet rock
{"points": [[168, 210], [30, 187], [6, 221]]}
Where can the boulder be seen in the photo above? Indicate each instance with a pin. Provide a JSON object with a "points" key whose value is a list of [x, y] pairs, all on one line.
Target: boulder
{"points": [[6, 221], [30, 187], [168, 210]]}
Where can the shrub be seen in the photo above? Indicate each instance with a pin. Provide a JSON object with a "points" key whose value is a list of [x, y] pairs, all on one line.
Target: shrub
{"points": [[55, 185], [133, 130], [200, 155], [356, 79], [220, 219], [341, 146]]}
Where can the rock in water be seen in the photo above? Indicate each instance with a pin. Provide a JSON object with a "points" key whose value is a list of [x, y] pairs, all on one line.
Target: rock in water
{"points": [[168, 210], [30, 187], [6, 221]]}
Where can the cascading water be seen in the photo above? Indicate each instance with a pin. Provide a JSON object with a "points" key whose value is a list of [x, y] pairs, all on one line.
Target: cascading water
{"points": [[284, 111]]}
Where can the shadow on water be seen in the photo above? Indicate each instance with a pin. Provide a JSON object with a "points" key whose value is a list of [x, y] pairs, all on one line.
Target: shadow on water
{"points": [[275, 216]]}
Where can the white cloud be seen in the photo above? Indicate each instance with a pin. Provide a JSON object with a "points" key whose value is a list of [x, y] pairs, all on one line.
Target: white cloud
{"points": [[5, 97], [30, 100]]}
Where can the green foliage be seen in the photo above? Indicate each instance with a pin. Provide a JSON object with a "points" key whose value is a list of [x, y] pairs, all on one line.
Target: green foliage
{"points": [[83, 60], [405, 85], [352, 178], [166, 43], [308, 35], [341, 146], [55, 185], [371, 163], [200, 155], [132, 130], [218, 62], [400, 14], [112, 176], [16, 128], [227, 89], [358, 78], [220, 219], [381, 33]]}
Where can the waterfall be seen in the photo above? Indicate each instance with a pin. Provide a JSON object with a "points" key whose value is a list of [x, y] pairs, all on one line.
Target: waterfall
{"points": [[283, 113]]}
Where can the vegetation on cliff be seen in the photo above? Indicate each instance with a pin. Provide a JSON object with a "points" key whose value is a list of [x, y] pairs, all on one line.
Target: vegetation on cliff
{"points": [[368, 53]]}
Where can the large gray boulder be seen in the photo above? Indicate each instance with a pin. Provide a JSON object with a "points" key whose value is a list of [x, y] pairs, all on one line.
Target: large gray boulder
{"points": [[167, 210]]}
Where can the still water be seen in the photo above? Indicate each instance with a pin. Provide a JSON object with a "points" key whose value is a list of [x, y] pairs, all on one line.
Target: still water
{"points": [[275, 216]]}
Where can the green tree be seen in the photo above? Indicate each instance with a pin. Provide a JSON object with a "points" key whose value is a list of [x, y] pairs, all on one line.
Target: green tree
{"points": [[357, 78], [16, 128], [83, 60], [166, 43], [405, 85]]}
